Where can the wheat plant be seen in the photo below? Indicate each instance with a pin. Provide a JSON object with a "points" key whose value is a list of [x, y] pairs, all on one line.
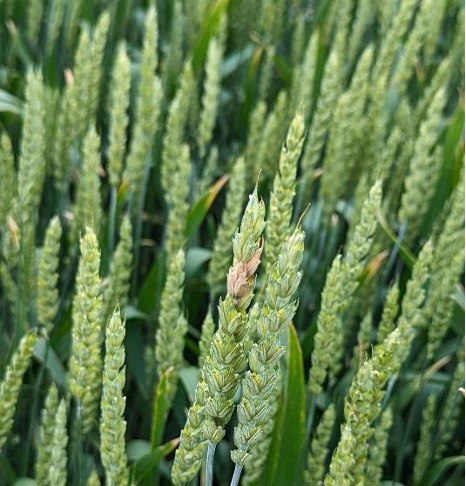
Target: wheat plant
{"points": [[232, 242]]}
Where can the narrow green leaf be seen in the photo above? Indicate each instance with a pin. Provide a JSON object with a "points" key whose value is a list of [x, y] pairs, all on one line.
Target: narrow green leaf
{"points": [[432, 476], [24, 482], [132, 312], [454, 132], [452, 163], [189, 377], [149, 462], [236, 60], [8, 473], [52, 362], [10, 103], [151, 290], [284, 69], [407, 255], [195, 258], [209, 28], [160, 411], [201, 207], [134, 343], [459, 296], [250, 84], [19, 47], [137, 449], [122, 193]]}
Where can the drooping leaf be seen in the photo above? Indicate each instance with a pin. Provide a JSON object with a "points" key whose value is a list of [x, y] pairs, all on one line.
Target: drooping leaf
{"points": [[189, 377], [132, 312], [201, 207], [195, 258], [433, 475], [136, 449], [44, 353], [234, 61], [9, 103], [24, 482], [150, 461], [405, 252]]}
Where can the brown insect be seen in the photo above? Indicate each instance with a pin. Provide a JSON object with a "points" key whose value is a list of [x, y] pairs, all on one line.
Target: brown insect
{"points": [[240, 276]]}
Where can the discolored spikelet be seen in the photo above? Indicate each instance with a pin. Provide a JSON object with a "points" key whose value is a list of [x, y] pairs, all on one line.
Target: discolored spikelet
{"points": [[259, 383], [221, 253], [220, 374]]}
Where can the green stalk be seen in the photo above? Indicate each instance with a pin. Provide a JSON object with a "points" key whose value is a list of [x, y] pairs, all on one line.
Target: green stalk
{"points": [[413, 418], [34, 408], [236, 475], [77, 446], [111, 220], [311, 410], [21, 312], [209, 465], [138, 228]]}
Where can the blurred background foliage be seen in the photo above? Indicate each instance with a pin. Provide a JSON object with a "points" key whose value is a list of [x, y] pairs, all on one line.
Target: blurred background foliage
{"points": [[274, 59]]}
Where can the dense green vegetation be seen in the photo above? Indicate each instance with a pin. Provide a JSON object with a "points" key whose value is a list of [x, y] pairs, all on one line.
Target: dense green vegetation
{"points": [[232, 242]]}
